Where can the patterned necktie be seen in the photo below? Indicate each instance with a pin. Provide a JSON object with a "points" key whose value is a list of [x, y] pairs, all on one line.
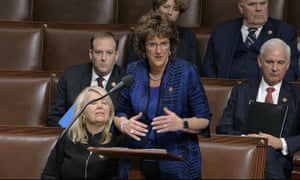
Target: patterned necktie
{"points": [[100, 81], [251, 38], [269, 98]]}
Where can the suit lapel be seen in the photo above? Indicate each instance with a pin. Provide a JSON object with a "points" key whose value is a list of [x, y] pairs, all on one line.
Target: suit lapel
{"points": [[85, 78], [265, 34], [252, 92], [235, 35], [113, 79], [285, 95]]}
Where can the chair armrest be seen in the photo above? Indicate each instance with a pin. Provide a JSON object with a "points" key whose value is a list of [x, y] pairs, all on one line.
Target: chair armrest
{"points": [[296, 166], [233, 157]]}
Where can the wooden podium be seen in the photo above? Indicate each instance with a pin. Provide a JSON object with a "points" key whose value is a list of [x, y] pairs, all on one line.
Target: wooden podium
{"points": [[136, 156]]}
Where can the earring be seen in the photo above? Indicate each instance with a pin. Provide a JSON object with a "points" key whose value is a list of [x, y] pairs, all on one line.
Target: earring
{"points": [[170, 54], [83, 119]]}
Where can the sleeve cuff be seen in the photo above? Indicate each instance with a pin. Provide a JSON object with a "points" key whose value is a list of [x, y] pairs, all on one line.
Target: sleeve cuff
{"points": [[284, 149]]}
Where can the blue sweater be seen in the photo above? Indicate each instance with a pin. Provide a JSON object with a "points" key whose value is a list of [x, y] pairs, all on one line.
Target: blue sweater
{"points": [[182, 92]]}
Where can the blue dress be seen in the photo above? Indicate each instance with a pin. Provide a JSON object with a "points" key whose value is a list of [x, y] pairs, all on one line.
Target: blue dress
{"points": [[182, 92]]}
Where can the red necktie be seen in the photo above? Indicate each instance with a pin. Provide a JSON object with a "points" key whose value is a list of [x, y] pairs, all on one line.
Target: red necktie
{"points": [[269, 98], [100, 81]]}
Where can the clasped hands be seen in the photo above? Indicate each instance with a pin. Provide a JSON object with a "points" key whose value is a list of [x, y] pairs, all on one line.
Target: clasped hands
{"points": [[165, 123]]}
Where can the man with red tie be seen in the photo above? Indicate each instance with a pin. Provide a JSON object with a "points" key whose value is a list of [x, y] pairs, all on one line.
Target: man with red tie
{"points": [[102, 70], [274, 61]]}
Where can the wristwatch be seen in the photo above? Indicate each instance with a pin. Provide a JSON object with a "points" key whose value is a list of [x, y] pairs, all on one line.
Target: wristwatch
{"points": [[185, 124]]}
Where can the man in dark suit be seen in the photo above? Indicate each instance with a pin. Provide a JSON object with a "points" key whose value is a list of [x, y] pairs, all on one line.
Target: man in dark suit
{"points": [[103, 56], [229, 56], [274, 61]]}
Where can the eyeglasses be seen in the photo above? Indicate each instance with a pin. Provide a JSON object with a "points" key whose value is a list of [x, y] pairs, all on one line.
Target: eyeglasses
{"points": [[152, 45]]}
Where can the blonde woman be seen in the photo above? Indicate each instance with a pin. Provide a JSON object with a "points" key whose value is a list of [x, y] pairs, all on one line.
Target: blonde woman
{"points": [[70, 159]]}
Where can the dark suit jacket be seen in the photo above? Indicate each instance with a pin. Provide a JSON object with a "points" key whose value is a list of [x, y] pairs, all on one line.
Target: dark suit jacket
{"points": [[224, 38], [72, 82], [188, 48], [235, 113]]}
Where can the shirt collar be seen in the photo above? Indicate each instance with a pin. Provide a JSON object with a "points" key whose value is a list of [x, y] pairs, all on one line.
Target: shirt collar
{"points": [[95, 75], [244, 31], [264, 85]]}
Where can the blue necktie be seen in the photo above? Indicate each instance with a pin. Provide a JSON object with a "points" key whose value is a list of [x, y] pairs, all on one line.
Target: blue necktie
{"points": [[251, 38]]}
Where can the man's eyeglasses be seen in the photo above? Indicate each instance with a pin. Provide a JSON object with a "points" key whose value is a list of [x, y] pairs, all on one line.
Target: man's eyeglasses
{"points": [[152, 45]]}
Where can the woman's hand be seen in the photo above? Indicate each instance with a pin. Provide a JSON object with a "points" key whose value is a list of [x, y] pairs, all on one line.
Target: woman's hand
{"points": [[168, 122], [133, 127]]}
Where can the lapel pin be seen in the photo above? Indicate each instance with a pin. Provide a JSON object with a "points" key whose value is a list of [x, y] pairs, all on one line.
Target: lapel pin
{"points": [[113, 84], [270, 32], [284, 99]]}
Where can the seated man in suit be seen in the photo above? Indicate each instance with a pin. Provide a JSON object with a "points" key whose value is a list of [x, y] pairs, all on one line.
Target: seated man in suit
{"points": [[274, 61], [102, 71], [234, 45]]}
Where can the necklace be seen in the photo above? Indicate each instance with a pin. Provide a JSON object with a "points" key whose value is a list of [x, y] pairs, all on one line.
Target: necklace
{"points": [[153, 78]]}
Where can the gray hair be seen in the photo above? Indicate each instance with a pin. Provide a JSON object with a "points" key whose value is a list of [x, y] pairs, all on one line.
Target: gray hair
{"points": [[275, 43]]}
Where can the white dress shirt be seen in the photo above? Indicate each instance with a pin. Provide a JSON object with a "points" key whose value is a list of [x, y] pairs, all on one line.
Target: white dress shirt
{"points": [[261, 96], [95, 76], [245, 32], [262, 91]]}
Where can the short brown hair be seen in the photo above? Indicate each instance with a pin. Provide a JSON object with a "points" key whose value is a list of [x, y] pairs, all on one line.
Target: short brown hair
{"points": [[153, 24], [183, 5], [104, 34]]}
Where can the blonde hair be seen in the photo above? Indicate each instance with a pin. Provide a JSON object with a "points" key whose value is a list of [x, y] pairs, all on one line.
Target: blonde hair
{"points": [[78, 132]]}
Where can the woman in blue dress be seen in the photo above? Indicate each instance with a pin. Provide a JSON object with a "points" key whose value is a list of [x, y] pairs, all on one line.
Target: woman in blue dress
{"points": [[166, 107]]}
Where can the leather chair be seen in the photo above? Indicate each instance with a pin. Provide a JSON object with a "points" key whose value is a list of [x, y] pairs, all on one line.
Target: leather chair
{"points": [[217, 11], [211, 14], [91, 11], [20, 47], [24, 150], [69, 44], [278, 9], [16, 10], [218, 92], [296, 164], [233, 157], [129, 11], [25, 99], [293, 13], [191, 18], [202, 35]]}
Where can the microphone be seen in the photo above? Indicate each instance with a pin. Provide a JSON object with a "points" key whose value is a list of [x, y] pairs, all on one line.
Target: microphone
{"points": [[125, 81]]}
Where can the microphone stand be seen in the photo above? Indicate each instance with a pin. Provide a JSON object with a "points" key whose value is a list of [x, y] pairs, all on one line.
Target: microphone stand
{"points": [[126, 81]]}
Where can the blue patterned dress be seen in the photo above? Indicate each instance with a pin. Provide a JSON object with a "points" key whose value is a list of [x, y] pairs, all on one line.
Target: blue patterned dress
{"points": [[182, 92]]}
